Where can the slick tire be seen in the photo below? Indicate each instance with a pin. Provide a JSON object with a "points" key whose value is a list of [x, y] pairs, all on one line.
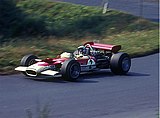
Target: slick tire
{"points": [[28, 60], [120, 63], [70, 70]]}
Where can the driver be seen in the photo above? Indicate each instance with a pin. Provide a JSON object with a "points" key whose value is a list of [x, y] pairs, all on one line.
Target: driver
{"points": [[81, 52]]}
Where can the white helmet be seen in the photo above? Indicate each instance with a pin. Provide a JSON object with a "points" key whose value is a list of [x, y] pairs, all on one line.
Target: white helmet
{"points": [[81, 50]]}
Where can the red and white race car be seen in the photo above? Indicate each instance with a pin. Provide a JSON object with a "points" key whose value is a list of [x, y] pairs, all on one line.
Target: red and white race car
{"points": [[88, 57]]}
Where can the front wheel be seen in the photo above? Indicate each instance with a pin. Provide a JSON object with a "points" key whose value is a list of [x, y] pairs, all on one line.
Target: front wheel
{"points": [[120, 63], [28, 60], [70, 70]]}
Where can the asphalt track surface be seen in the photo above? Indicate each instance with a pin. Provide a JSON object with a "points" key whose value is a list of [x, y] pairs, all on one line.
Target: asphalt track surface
{"points": [[94, 95], [143, 8]]}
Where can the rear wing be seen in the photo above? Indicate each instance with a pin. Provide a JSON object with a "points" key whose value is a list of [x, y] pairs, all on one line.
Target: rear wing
{"points": [[106, 47]]}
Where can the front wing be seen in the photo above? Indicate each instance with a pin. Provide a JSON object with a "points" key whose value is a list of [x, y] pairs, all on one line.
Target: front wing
{"points": [[45, 72]]}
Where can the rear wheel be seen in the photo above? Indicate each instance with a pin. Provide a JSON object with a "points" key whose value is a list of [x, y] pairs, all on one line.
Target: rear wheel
{"points": [[28, 60], [120, 63], [70, 70]]}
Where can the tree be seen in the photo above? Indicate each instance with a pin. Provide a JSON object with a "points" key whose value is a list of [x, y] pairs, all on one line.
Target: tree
{"points": [[10, 15], [14, 22]]}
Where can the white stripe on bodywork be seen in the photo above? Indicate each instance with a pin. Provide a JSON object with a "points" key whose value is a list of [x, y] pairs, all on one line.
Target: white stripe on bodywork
{"points": [[49, 72], [85, 68], [21, 68]]}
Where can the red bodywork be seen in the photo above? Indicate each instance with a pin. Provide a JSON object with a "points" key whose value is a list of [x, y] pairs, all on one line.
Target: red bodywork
{"points": [[52, 61], [55, 61], [106, 47]]}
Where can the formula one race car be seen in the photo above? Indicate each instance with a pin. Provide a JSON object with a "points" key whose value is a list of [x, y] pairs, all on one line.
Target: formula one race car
{"points": [[88, 57]]}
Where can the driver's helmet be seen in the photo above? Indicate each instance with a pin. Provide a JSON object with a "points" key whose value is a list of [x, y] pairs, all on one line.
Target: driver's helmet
{"points": [[82, 50]]}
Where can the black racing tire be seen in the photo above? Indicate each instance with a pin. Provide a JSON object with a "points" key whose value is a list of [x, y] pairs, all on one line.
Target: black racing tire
{"points": [[70, 70], [28, 60], [120, 63]]}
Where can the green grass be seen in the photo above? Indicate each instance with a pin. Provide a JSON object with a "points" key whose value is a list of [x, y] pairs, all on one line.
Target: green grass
{"points": [[65, 19], [136, 43], [63, 27]]}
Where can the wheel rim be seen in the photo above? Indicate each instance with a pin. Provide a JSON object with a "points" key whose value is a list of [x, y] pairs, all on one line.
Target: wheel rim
{"points": [[126, 64], [74, 71], [31, 62]]}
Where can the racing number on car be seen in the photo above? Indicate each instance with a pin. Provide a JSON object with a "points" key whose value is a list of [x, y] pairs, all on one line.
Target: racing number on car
{"points": [[91, 62]]}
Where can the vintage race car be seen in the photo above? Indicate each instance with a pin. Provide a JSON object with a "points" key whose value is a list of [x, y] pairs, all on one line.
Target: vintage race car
{"points": [[88, 57]]}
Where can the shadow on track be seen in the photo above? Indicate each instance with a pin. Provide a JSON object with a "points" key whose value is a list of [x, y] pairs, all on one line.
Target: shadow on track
{"points": [[55, 80], [137, 74], [87, 77]]}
